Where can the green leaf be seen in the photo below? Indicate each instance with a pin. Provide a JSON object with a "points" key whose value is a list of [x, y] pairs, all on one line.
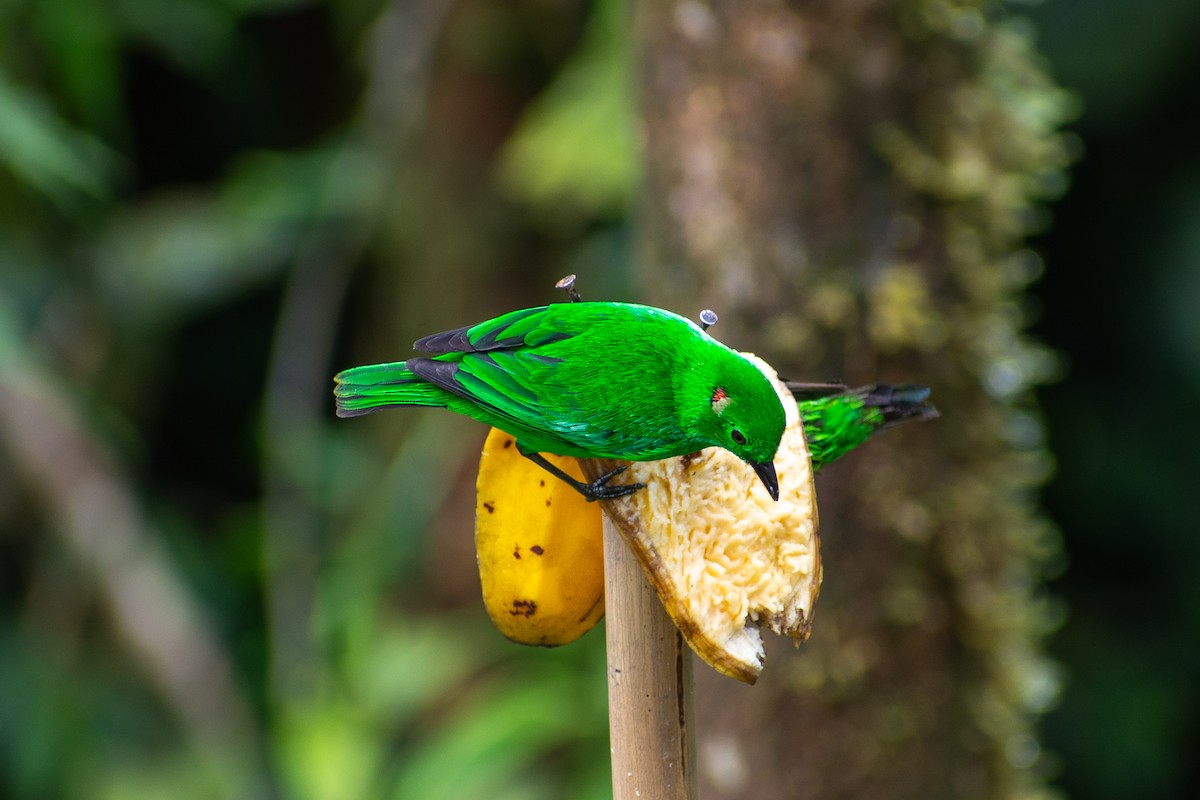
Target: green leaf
{"points": [[42, 150], [575, 145]]}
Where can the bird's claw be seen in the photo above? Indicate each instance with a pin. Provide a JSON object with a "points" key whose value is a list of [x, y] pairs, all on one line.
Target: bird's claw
{"points": [[599, 490]]}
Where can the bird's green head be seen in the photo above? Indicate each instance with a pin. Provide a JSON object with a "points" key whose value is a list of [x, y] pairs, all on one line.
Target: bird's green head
{"points": [[744, 415]]}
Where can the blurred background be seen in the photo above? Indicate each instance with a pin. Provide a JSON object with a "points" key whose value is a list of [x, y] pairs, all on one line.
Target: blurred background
{"points": [[210, 587]]}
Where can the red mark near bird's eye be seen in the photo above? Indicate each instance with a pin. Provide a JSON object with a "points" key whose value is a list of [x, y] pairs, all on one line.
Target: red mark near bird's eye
{"points": [[719, 400]]}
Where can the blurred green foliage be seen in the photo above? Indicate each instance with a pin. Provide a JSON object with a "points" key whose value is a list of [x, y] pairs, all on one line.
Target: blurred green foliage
{"points": [[1120, 299], [575, 145], [209, 587]]}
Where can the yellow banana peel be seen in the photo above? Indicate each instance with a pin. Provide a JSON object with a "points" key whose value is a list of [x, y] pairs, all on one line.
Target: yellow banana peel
{"points": [[539, 546]]}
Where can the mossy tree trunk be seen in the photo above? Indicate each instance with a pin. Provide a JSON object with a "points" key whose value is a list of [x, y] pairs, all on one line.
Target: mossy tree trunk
{"points": [[849, 185]]}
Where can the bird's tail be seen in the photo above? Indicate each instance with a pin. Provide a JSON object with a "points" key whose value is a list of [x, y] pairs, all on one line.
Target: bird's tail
{"points": [[361, 390], [899, 403], [837, 419]]}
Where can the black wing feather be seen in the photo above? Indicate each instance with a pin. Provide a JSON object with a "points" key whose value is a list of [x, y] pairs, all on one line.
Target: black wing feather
{"points": [[439, 373], [455, 341], [815, 391]]}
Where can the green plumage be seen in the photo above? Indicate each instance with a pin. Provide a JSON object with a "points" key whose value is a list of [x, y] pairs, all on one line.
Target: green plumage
{"points": [[837, 419], [615, 380], [608, 380]]}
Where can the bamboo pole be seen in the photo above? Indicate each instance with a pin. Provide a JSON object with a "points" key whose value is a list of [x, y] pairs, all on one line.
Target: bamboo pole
{"points": [[651, 690], [651, 706]]}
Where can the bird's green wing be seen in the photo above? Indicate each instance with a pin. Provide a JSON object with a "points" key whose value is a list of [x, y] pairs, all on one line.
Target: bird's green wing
{"points": [[501, 368], [532, 372], [478, 363], [527, 327]]}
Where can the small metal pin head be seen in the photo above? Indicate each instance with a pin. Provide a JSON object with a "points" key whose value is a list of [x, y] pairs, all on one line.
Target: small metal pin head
{"points": [[708, 318], [567, 284]]}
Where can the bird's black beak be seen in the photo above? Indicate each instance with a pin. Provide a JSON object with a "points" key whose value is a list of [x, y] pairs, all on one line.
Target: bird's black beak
{"points": [[766, 473]]}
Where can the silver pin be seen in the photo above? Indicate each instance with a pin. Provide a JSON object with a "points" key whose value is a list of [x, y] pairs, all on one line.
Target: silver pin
{"points": [[708, 318], [567, 284]]}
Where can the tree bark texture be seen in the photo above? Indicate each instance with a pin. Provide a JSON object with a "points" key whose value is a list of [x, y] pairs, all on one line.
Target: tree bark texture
{"points": [[849, 185]]}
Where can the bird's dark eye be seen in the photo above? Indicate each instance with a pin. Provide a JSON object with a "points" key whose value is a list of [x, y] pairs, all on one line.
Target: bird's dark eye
{"points": [[737, 436]]}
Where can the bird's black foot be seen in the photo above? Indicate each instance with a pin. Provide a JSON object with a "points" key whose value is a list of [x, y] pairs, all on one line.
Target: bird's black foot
{"points": [[597, 489], [600, 490]]}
